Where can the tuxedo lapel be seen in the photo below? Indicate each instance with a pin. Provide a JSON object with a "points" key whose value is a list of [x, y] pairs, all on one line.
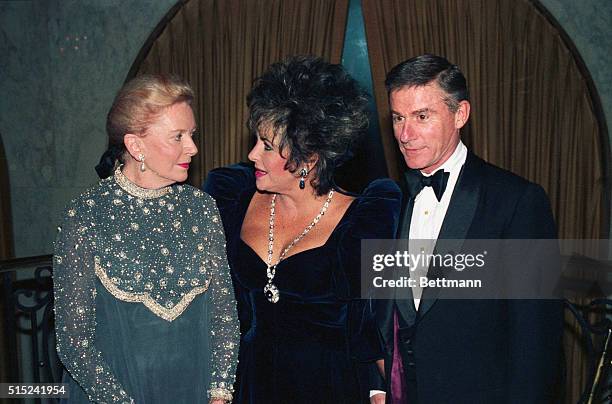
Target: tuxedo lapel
{"points": [[464, 201], [457, 221], [403, 229], [405, 304]]}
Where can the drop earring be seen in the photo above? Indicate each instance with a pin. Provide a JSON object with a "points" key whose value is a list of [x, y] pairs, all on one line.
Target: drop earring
{"points": [[141, 158], [303, 174]]}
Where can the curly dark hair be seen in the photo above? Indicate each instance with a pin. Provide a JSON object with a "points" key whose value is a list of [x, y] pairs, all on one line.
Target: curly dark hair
{"points": [[316, 108]]}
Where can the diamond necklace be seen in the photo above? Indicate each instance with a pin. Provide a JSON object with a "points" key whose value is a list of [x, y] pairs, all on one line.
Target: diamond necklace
{"points": [[270, 290]]}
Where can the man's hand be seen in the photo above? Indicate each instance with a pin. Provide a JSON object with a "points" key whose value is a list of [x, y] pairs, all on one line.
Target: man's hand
{"points": [[381, 367], [378, 398]]}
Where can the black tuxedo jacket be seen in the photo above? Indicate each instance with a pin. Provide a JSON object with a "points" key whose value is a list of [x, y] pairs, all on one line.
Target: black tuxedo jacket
{"points": [[480, 351]]}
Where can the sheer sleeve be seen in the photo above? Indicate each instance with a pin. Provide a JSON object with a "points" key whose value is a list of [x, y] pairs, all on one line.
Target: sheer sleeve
{"points": [[75, 314], [225, 332]]}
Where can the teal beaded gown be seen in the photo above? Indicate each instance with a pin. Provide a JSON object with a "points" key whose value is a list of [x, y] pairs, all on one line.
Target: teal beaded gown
{"points": [[144, 304]]}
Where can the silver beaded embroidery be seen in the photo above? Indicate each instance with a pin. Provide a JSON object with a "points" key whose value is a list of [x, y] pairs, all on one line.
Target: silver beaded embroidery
{"points": [[108, 234]]}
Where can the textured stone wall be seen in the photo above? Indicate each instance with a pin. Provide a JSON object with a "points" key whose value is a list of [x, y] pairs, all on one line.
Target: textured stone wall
{"points": [[62, 62], [589, 24]]}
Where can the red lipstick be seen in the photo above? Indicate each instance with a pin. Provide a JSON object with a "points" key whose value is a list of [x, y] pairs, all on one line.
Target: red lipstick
{"points": [[184, 165]]}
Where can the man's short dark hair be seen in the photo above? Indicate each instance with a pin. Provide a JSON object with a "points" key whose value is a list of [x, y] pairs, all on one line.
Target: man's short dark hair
{"points": [[424, 69]]}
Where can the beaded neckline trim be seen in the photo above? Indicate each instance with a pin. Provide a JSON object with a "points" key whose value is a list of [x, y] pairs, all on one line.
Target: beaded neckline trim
{"points": [[133, 189], [168, 314]]}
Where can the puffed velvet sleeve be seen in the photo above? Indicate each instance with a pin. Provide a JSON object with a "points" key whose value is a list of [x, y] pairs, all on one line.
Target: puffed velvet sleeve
{"points": [[226, 185], [75, 313], [376, 216]]}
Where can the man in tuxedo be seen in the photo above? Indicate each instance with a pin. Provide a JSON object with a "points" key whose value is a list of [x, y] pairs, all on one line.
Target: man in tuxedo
{"points": [[461, 350]]}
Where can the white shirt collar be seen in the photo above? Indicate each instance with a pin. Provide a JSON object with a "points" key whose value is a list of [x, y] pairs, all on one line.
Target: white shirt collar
{"points": [[455, 161]]}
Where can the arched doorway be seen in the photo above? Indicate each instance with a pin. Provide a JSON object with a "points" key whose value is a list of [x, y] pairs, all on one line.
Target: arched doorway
{"points": [[535, 108]]}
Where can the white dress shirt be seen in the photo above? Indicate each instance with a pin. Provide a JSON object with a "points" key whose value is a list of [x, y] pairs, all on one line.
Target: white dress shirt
{"points": [[428, 213]]}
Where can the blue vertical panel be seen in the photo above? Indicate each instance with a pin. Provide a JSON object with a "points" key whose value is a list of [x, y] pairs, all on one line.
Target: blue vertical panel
{"points": [[370, 161]]}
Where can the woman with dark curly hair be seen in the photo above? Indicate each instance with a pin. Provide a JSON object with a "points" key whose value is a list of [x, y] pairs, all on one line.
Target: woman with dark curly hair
{"points": [[293, 239]]}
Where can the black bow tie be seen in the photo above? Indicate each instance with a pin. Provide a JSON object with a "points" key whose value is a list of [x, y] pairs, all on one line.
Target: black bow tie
{"points": [[417, 181]]}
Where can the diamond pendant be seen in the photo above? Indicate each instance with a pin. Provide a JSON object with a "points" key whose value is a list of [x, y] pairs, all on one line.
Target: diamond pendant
{"points": [[271, 292]]}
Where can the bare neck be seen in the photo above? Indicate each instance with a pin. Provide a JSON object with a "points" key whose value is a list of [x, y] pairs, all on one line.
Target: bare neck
{"points": [[147, 179], [299, 202]]}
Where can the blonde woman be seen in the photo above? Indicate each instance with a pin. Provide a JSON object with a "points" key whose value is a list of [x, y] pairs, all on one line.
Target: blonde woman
{"points": [[144, 304]]}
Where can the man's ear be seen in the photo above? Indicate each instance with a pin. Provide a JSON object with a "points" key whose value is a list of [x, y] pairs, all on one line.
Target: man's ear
{"points": [[134, 145], [462, 114]]}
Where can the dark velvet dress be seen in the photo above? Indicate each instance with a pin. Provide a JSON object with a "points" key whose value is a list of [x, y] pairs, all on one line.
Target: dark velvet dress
{"points": [[319, 341]]}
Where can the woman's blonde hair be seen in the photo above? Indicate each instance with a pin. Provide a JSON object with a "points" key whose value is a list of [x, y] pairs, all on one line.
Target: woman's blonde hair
{"points": [[139, 102]]}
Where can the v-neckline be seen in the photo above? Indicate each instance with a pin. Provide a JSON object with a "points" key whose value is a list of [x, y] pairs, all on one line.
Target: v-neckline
{"points": [[245, 207], [264, 264]]}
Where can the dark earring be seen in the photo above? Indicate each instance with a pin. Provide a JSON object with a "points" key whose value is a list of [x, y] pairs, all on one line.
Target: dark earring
{"points": [[303, 174]]}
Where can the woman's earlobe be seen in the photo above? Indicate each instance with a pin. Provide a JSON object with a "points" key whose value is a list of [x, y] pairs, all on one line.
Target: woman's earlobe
{"points": [[132, 145]]}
